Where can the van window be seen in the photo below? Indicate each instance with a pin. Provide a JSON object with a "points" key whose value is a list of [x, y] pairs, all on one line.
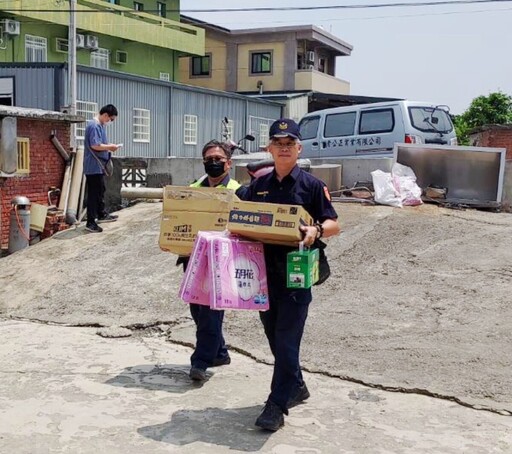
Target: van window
{"points": [[377, 121], [309, 127], [341, 124], [429, 119]]}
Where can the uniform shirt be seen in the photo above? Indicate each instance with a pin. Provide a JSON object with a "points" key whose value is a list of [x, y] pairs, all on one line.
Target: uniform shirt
{"points": [[297, 188], [94, 135]]}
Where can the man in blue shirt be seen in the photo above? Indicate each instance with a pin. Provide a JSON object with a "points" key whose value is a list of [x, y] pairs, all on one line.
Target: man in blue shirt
{"points": [[284, 321], [97, 154]]}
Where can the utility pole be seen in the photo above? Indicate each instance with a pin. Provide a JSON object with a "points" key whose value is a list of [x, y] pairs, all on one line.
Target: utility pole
{"points": [[72, 68]]}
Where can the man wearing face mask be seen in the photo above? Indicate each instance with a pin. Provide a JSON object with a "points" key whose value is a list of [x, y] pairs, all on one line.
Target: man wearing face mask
{"points": [[210, 348], [97, 153]]}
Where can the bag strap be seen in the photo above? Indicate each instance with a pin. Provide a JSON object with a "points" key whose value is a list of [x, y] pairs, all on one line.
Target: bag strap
{"points": [[100, 162]]}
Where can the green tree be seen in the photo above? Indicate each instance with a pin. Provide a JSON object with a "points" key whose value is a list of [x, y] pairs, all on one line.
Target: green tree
{"points": [[494, 109]]}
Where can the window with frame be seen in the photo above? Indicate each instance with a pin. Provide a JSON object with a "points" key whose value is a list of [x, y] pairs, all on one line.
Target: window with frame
{"points": [[261, 62], [309, 127], [137, 6], [161, 9], [190, 129], [113, 2], [228, 129], [23, 155], [165, 76], [263, 135], [7, 91], [377, 121], [100, 58], [141, 125], [341, 124], [61, 45], [200, 66], [35, 49], [88, 110]]}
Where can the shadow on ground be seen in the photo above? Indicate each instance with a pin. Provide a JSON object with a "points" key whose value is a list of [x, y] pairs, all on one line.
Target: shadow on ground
{"points": [[230, 427], [172, 378]]}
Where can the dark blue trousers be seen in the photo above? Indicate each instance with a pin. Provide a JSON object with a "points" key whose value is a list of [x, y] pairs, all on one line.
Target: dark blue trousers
{"points": [[284, 325], [209, 339]]}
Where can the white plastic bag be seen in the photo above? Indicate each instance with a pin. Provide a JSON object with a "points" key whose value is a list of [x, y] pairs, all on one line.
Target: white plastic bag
{"points": [[387, 192], [410, 192], [397, 188]]}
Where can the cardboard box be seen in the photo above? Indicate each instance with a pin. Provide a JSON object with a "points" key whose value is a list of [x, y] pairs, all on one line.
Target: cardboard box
{"points": [[187, 210], [302, 268], [268, 222]]}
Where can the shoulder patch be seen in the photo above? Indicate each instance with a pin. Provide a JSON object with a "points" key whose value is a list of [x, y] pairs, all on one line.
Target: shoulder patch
{"points": [[327, 193]]}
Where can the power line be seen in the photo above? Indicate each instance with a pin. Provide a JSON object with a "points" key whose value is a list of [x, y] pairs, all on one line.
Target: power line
{"points": [[330, 19], [262, 9]]}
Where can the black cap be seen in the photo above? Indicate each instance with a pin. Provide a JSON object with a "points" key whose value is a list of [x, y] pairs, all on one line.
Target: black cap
{"points": [[284, 127]]}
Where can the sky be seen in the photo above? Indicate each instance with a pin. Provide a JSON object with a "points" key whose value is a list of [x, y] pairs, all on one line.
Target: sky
{"points": [[443, 54]]}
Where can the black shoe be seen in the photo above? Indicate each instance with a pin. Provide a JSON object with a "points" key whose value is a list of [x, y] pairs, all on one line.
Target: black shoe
{"points": [[300, 396], [271, 418], [221, 361], [93, 228], [197, 374], [107, 218]]}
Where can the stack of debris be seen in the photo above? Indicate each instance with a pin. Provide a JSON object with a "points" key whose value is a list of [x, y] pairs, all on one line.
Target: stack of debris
{"points": [[55, 222]]}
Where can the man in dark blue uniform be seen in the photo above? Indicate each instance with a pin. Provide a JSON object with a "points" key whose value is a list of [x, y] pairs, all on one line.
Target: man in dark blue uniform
{"points": [[284, 322]]}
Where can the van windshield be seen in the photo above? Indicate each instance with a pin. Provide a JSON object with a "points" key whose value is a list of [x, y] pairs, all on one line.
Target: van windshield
{"points": [[430, 119], [309, 127]]}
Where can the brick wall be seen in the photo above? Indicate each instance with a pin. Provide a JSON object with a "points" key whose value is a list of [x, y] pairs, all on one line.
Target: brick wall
{"points": [[498, 136], [46, 168]]}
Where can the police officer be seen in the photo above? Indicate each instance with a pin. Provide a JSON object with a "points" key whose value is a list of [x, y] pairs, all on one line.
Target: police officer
{"points": [[284, 321], [210, 348]]}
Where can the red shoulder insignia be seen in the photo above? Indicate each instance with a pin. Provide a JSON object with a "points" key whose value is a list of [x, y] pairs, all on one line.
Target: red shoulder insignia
{"points": [[327, 193]]}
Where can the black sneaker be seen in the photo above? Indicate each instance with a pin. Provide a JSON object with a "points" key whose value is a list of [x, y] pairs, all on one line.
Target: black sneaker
{"points": [[197, 374], [93, 228], [221, 361], [107, 218], [300, 396], [271, 418]]}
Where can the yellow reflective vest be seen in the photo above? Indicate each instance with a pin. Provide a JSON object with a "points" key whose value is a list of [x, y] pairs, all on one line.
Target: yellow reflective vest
{"points": [[232, 184]]}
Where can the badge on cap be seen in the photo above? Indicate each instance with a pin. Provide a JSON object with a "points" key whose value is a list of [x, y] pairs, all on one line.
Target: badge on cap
{"points": [[283, 126]]}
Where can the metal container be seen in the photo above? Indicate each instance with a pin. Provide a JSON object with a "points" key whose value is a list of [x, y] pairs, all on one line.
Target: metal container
{"points": [[19, 229], [330, 174]]}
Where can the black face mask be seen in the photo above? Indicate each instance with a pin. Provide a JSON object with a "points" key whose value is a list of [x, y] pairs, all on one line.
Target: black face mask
{"points": [[214, 169]]}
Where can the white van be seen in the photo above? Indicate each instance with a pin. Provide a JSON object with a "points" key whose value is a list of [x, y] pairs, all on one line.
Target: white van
{"points": [[373, 129]]}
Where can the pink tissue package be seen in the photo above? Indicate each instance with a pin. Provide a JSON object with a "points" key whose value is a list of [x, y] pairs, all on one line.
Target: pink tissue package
{"points": [[226, 272], [195, 285]]}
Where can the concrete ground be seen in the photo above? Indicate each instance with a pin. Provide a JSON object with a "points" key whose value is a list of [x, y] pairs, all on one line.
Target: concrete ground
{"points": [[68, 390]]}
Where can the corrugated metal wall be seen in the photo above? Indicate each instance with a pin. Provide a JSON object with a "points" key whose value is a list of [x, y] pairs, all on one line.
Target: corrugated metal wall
{"points": [[127, 94], [297, 107], [168, 102], [34, 86]]}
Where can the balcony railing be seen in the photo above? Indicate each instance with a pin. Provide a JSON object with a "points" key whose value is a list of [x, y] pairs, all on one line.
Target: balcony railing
{"points": [[310, 79], [99, 17]]}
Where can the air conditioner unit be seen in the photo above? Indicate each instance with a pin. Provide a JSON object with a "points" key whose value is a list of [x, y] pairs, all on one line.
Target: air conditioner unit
{"points": [[10, 27], [80, 41], [91, 42], [310, 56]]}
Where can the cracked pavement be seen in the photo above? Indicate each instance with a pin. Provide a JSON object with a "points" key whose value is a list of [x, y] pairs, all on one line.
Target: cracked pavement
{"points": [[417, 307]]}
